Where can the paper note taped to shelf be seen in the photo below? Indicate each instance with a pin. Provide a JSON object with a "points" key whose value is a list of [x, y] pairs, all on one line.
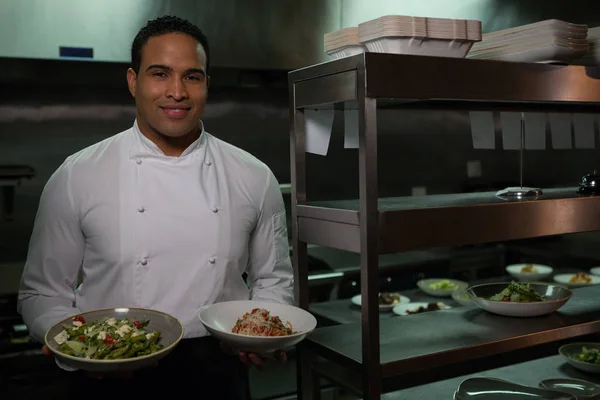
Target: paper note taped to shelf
{"points": [[482, 129], [535, 131], [560, 130], [318, 130], [511, 130], [351, 129], [583, 125]]}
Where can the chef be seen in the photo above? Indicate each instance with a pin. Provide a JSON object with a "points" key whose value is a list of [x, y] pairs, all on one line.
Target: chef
{"points": [[165, 216]]}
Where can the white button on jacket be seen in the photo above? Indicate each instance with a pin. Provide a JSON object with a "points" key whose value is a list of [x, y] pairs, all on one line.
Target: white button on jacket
{"points": [[91, 219]]}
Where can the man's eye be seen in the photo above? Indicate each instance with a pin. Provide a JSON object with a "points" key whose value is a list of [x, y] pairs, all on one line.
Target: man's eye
{"points": [[193, 77], [159, 74]]}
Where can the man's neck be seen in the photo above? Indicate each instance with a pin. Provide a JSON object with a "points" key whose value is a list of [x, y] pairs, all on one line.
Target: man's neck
{"points": [[171, 146]]}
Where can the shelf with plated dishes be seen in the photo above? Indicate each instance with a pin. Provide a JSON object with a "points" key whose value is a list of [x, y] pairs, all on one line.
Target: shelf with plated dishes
{"points": [[416, 343], [372, 226]]}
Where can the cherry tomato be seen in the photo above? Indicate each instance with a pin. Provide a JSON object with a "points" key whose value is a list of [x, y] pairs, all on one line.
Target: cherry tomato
{"points": [[79, 318], [137, 324], [109, 339], [81, 338]]}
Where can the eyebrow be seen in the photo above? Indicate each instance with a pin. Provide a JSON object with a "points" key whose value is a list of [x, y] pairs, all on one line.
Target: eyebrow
{"points": [[167, 68]]}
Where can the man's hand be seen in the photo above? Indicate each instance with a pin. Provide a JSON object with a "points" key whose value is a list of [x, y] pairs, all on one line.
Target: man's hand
{"points": [[253, 359]]}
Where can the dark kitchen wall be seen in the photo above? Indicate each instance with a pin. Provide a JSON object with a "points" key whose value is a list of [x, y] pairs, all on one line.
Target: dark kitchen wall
{"points": [[72, 106]]}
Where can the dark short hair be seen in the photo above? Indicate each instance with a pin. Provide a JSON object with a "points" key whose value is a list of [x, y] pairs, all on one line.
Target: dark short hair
{"points": [[162, 26]]}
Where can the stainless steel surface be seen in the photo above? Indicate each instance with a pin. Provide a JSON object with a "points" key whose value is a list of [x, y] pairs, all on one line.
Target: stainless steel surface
{"points": [[497, 389], [528, 373], [405, 222], [396, 76], [327, 89], [468, 334], [241, 34]]}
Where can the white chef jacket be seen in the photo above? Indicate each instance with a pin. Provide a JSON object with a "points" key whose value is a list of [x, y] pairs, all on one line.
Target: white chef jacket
{"points": [[147, 230]]}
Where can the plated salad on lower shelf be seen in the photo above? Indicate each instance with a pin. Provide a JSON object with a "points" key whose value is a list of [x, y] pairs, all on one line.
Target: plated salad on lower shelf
{"points": [[109, 339], [518, 292], [591, 356]]}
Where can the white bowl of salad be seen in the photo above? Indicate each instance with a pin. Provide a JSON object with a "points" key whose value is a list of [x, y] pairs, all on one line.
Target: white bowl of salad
{"points": [[115, 339], [513, 299], [441, 287], [257, 326]]}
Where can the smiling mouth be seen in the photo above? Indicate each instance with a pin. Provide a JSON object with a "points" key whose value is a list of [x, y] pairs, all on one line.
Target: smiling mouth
{"points": [[176, 113]]}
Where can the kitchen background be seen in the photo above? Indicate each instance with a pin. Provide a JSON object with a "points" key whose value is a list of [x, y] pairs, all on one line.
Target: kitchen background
{"points": [[52, 107]]}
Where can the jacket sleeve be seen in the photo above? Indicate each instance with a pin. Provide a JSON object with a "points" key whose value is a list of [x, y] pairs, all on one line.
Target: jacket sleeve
{"points": [[270, 273], [56, 247]]}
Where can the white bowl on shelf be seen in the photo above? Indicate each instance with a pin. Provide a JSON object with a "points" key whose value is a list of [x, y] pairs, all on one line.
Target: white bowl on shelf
{"points": [[220, 318], [423, 284], [542, 272], [556, 296], [595, 271], [565, 278], [356, 300]]}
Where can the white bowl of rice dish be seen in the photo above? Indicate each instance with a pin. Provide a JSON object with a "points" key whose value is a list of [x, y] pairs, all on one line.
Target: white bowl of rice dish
{"points": [[257, 326]]}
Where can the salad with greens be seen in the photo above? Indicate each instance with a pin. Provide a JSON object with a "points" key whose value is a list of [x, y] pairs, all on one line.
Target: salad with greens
{"points": [[591, 356], [443, 284], [518, 292], [109, 339]]}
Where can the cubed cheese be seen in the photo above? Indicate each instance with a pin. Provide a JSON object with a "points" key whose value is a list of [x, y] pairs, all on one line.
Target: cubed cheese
{"points": [[77, 323], [61, 337], [123, 330], [111, 321], [102, 335], [134, 334], [149, 336]]}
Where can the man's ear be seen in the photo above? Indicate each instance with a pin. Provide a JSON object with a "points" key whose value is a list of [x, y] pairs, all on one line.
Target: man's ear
{"points": [[131, 81]]}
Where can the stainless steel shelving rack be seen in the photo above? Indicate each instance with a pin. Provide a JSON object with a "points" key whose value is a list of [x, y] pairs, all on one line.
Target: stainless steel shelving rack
{"points": [[373, 355]]}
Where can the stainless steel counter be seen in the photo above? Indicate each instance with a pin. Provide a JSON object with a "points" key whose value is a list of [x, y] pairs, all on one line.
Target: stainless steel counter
{"points": [[456, 335], [528, 373]]}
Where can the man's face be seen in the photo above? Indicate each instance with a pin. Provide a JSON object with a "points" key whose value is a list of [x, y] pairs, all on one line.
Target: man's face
{"points": [[171, 86]]}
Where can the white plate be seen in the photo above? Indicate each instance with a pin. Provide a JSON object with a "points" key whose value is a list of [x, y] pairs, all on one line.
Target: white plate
{"points": [[356, 300], [557, 296], [462, 297], [595, 271], [543, 271], [423, 284], [220, 318], [565, 278], [403, 308]]}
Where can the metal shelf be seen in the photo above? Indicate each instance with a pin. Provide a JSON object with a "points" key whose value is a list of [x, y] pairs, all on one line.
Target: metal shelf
{"points": [[406, 223], [468, 333], [438, 78], [372, 226]]}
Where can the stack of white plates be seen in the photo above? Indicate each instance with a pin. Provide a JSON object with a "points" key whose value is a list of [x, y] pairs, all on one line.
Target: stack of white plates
{"points": [[549, 41], [343, 43], [419, 36], [592, 57]]}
